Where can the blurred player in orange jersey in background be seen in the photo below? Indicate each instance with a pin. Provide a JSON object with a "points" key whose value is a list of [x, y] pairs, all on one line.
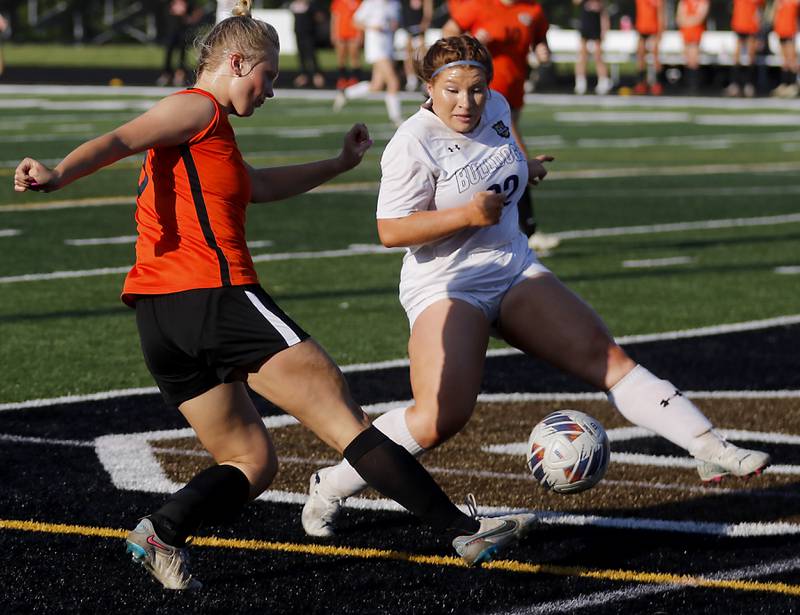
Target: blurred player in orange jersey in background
{"points": [[745, 22], [691, 19], [347, 41], [650, 23], [784, 24], [510, 29]]}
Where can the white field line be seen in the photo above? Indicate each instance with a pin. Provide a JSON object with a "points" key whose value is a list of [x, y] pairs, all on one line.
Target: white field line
{"points": [[101, 241], [560, 101], [658, 262], [638, 591], [793, 270], [483, 397], [671, 193], [524, 477], [680, 226], [603, 173], [360, 249], [9, 232]]}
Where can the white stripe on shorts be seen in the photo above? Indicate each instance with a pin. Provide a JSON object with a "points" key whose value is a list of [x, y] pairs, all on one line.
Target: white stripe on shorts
{"points": [[289, 336]]}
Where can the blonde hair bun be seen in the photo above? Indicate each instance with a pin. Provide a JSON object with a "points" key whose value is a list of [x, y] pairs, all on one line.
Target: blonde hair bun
{"points": [[242, 8]]}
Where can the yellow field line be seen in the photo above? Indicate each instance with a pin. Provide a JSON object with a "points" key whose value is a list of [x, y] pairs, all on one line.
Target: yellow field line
{"points": [[434, 560]]}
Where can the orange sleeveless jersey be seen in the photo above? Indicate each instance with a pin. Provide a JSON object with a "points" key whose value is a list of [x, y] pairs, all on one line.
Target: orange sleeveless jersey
{"points": [[745, 18], [190, 214], [648, 17], [512, 30], [692, 34], [344, 11], [785, 21]]}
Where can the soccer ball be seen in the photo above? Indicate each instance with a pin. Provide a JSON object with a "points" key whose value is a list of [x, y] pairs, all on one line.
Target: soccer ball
{"points": [[568, 451]]}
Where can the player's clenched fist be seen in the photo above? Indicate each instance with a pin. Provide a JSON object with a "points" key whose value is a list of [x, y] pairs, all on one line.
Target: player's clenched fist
{"points": [[485, 208], [32, 175]]}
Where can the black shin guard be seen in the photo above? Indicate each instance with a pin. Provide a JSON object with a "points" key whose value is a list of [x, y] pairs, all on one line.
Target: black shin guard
{"points": [[215, 494], [394, 472]]}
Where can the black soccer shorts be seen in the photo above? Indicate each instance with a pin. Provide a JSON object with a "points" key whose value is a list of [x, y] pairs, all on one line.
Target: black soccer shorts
{"points": [[196, 339]]}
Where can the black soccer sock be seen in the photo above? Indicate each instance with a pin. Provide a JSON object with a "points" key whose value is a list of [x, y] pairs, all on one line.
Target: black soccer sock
{"points": [[215, 494], [527, 221], [394, 472], [751, 74], [736, 75]]}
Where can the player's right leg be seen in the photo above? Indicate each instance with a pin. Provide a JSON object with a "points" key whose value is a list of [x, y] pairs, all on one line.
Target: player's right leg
{"points": [[569, 334], [447, 350], [305, 382]]}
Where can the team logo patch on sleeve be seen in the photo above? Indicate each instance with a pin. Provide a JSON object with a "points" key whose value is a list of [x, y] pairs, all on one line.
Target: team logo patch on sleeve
{"points": [[501, 129]]}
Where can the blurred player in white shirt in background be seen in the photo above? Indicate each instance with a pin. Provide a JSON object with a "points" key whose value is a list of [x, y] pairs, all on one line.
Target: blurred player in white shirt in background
{"points": [[379, 19]]}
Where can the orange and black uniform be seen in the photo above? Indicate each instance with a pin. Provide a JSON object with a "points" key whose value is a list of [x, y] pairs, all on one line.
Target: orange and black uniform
{"points": [[746, 19], [692, 34], [202, 317], [784, 22], [512, 30], [648, 17], [190, 214]]}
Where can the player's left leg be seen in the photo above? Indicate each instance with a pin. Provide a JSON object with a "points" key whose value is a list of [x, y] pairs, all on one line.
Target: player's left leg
{"points": [[447, 350], [385, 71], [543, 318]]}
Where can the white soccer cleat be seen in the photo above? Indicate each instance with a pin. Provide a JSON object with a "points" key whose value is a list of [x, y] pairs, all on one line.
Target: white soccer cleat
{"points": [[731, 460], [493, 536], [339, 102], [604, 86], [320, 512], [542, 243]]}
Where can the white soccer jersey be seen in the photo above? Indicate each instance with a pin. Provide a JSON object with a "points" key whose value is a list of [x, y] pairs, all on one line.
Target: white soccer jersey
{"points": [[380, 19], [429, 166]]}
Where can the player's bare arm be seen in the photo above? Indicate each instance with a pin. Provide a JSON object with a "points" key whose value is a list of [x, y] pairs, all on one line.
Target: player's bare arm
{"points": [[172, 121], [276, 183], [484, 209]]}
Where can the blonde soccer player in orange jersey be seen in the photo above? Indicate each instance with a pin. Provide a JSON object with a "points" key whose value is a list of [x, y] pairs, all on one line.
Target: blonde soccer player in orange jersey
{"points": [[784, 24], [691, 18], [650, 21], [208, 328], [510, 29]]}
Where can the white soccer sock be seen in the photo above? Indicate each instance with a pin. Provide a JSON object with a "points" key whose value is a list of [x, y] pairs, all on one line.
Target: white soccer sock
{"points": [[343, 481], [358, 90], [394, 110], [657, 405]]}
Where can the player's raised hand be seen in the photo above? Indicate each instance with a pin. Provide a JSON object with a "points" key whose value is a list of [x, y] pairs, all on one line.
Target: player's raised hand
{"points": [[485, 208], [356, 144], [536, 169], [33, 175]]}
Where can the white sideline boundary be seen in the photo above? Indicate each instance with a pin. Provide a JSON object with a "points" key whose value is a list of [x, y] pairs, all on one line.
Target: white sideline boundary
{"points": [[752, 325]]}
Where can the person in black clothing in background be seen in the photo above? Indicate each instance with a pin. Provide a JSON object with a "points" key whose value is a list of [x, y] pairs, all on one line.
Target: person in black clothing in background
{"points": [[307, 15], [182, 16]]}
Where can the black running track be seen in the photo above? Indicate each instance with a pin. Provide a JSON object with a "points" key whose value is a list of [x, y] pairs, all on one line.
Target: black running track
{"points": [[58, 570]]}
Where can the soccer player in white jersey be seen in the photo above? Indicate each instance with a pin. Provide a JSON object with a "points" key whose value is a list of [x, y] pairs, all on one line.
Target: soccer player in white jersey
{"points": [[451, 177], [379, 19]]}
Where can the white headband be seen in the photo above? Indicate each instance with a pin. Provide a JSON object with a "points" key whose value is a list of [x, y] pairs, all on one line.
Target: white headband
{"points": [[474, 63]]}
